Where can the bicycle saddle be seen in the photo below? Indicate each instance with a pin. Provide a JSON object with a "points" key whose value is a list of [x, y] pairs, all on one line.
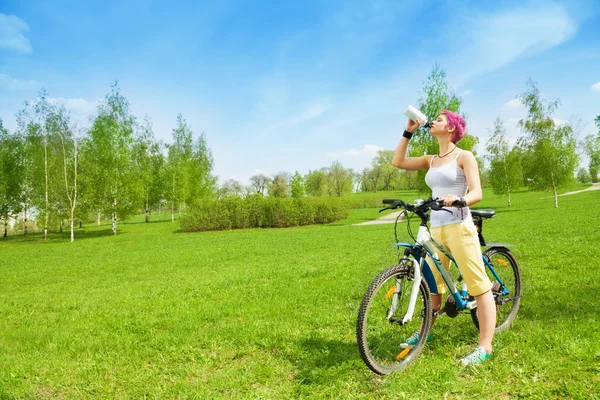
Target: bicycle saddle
{"points": [[485, 213]]}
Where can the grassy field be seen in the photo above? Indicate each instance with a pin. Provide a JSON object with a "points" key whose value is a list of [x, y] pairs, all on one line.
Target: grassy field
{"points": [[270, 313]]}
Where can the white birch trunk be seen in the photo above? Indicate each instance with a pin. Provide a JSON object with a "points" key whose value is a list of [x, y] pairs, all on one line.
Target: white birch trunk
{"points": [[72, 199], [114, 217], [46, 190], [25, 221], [554, 190]]}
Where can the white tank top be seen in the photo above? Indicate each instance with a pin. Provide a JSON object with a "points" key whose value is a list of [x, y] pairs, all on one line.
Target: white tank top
{"points": [[444, 180]]}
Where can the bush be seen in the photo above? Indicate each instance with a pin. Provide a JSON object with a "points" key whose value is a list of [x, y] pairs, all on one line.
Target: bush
{"points": [[583, 176], [257, 211]]}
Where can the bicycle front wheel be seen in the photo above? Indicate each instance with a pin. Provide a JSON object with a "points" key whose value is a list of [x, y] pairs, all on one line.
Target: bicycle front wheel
{"points": [[506, 295], [382, 325]]}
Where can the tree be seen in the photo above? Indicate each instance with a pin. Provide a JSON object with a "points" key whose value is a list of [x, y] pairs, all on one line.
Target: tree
{"points": [[70, 153], [372, 179], [591, 146], [583, 176], [357, 179], [550, 158], [340, 179], [505, 165], [387, 172], [11, 177], [39, 125], [231, 187], [180, 165], [260, 183], [203, 183], [298, 186], [436, 96], [316, 182], [144, 147], [111, 148], [280, 186]]}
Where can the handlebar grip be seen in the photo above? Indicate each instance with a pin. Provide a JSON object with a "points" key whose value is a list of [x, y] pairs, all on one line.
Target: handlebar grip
{"points": [[459, 203], [389, 201]]}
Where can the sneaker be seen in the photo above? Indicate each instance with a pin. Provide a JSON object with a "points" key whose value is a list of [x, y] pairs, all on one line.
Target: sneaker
{"points": [[478, 356], [413, 340]]}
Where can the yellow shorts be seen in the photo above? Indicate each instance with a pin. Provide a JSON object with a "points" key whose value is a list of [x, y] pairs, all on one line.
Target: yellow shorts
{"points": [[462, 241]]}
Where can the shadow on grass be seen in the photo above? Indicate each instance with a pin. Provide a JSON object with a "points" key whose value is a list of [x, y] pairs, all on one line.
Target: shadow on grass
{"points": [[56, 237], [323, 358], [578, 303], [149, 222]]}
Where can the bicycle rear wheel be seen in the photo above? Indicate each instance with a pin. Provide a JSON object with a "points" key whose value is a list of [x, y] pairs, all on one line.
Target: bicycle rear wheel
{"points": [[507, 305], [380, 329]]}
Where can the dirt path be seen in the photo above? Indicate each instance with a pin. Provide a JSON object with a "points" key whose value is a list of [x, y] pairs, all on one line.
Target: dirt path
{"points": [[595, 186], [386, 219]]}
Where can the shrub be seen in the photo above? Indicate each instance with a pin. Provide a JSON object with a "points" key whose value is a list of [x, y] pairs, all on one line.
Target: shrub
{"points": [[256, 211]]}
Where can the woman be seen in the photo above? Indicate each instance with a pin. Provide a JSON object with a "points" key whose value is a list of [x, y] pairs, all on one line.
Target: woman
{"points": [[450, 173]]}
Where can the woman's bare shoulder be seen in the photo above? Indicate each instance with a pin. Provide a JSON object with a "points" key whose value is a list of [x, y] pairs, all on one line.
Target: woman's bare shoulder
{"points": [[465, 156]]}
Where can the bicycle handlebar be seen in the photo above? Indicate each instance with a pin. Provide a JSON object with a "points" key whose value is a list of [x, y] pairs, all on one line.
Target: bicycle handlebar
{"points": [[432, 203]]}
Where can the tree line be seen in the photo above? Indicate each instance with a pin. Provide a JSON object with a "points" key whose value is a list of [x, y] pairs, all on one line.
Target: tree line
{"points": [[544, 157], [56, 171]]}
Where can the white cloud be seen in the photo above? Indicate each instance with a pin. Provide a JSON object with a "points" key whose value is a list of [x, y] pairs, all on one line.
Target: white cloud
{"points": [[559, 122], [496, 40], [514, 103], [369, 149], [11, 34], [78, 107], [596, 87], [10, 83]]}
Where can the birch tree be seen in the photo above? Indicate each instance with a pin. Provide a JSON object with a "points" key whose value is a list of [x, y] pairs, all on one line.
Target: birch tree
{"points": [[203, 183], [111, 149], [143, 153], [180, 157], [11, 177], [70, 152], [591, 147], [505, 165], [551, 157], [37, 125]]}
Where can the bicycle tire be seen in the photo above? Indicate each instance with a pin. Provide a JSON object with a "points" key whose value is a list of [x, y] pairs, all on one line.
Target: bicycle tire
{"points": [[507, 307], [379, 339]]}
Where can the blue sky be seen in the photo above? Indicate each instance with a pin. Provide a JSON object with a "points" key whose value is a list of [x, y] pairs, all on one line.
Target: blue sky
{"points": [[286, 86]]}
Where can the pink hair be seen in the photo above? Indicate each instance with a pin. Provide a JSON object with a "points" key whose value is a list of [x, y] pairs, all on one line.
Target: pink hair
{"points": [[459, 124]]}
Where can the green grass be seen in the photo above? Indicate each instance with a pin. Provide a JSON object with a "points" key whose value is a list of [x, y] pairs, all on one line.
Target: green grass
{"points": [[270, 313]]}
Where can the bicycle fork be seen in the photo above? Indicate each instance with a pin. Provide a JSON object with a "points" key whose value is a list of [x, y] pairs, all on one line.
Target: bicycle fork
{"points": [[414, 293]]}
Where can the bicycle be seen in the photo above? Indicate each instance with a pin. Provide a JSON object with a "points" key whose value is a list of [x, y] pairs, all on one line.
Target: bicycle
{"points": [[398, 301]]}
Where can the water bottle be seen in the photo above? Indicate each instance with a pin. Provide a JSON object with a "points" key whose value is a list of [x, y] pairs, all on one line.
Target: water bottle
{"points": [[416, 115]]}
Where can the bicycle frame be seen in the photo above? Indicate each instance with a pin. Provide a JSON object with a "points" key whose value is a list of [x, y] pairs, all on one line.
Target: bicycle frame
{"points": [[426, 245]]}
